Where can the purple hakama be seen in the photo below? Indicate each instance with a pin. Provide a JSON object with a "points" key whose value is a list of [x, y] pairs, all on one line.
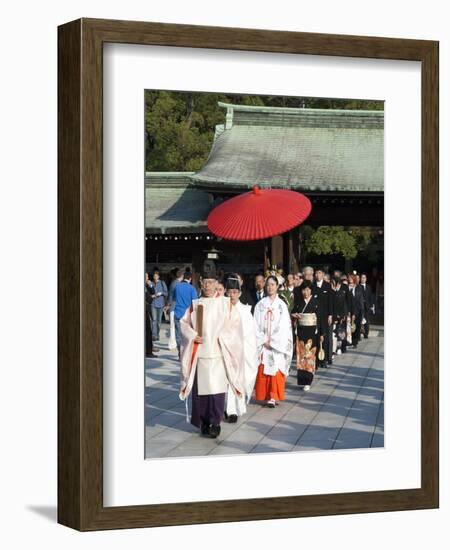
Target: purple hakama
{"points": [[206, 409]]}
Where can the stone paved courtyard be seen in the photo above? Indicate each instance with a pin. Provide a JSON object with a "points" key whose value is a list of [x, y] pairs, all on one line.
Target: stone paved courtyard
{"points": [[343, 410]]}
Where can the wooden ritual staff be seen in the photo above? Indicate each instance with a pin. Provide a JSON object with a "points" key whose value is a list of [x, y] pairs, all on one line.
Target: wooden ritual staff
{"points": [[200, 320]]}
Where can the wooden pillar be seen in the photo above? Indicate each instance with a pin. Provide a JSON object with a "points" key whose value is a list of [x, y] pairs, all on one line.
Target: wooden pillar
{"points": [[266, 246], [286, 265], [299, 244], [276, 255], [290, 253], [294, 251]]}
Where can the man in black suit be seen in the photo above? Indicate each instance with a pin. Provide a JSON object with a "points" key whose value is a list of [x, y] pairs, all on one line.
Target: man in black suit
{"points": [[258, 294], [369, 305], [357, 309], [149, 292], [323, 291]]}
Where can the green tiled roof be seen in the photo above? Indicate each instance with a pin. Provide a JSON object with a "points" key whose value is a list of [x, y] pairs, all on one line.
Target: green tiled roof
{"points": [[165, 179], [304, 149], [173, 207]]}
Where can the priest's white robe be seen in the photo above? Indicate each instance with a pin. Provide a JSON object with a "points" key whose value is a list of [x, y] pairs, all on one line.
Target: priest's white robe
{"points": [[219, 359], [237, 404]]}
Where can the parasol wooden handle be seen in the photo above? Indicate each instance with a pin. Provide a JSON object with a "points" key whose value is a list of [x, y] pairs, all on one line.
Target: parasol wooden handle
{"points": [[200, 320]]}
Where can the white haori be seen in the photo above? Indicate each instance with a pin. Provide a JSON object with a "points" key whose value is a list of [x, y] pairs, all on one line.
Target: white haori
{"points": [[251, 361], [274, 327], [211, 376], [237, 404], [214, 310], [222, 348]]}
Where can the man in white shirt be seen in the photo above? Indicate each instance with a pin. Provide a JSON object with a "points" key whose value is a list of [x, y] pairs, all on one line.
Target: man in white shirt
{"points": [[290, 283]]}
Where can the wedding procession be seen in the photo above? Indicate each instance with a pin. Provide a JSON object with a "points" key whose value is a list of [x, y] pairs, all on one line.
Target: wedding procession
{"points": [[264, 274], [237, 348]]}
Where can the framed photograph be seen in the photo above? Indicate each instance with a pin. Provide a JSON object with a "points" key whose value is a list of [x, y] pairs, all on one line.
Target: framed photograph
{"points": [[232, 206]]}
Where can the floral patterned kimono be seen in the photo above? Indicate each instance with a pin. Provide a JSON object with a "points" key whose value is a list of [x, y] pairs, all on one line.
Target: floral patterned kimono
{"points": [[309, 330]]}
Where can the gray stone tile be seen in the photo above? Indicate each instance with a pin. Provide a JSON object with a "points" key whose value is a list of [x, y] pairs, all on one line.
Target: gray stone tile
{"points": [[318, 437], [347, 440], [344, 409], [377, 440]]}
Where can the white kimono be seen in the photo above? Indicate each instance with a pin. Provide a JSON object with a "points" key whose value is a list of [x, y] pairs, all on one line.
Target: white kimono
{"points": [[218, 360], [237, 404], [273, 325]]}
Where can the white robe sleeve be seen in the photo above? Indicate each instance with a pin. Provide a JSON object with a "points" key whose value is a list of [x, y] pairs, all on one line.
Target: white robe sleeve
{"points": [[231, 339], [188, 335], [281, 340], [259, 325], [250, 353]]}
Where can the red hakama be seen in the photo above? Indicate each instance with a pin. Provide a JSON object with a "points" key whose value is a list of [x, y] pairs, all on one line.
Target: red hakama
{"points": [[269, 387]]}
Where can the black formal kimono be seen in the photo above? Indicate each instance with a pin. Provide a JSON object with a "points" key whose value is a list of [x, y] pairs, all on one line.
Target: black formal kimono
{"points": [[309, 330], [323, 292], [342, 307]]}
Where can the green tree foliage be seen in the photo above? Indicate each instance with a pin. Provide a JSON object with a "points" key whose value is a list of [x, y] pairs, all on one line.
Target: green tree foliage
{"points": [[328, 103], [180, 126], [336, 240]]}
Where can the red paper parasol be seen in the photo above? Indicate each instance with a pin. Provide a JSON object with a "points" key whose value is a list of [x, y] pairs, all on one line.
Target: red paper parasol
{"points": [[259, 214]]}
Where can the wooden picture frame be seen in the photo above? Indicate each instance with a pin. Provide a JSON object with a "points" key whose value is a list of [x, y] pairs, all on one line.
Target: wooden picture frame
{"points": [[80, 394]]}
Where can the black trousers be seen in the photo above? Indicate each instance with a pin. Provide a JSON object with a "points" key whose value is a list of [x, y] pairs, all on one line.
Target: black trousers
{"points": [[328, 343], [366, 329], [366, 326], [148, 334], [294, 338], [357, 334]]}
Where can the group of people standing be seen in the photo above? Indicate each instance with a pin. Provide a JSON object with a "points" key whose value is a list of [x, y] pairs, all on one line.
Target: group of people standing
{"points": [[235, 344], [330, 315]]}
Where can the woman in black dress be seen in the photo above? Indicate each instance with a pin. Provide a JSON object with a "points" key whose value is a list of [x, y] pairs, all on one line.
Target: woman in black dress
{"points": [[306, 312]]}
